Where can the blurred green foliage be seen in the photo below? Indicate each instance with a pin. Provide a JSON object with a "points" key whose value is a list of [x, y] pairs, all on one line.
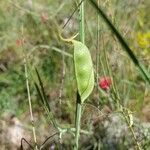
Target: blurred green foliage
{"points": [[22, 20]]}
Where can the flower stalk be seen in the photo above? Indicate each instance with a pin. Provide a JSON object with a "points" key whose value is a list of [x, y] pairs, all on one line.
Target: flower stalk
{"points": [[78, 102]]}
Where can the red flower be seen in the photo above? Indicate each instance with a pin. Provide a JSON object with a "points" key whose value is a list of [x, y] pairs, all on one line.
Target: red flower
{"points": [[105, 83], [20, 42], [44, 17]]}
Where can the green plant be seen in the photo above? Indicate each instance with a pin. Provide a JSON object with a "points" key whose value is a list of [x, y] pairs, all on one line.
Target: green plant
{"points": [[122, 42], [65, 72], [85, 79]]}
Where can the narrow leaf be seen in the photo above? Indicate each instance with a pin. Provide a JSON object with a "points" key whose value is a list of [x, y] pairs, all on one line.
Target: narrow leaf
{"points": [[39, 93], [44, 100], [42, 90], [122, 41]]}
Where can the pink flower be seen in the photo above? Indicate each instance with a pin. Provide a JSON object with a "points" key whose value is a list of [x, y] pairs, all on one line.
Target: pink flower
{"points": [[44, 17], [20, 42], [105, 83]]}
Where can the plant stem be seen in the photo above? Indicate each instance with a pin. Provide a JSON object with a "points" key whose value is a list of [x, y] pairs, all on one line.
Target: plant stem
{"points": [[78, 102], [97, 54], [77, 123], [131, 129], [30, 104], [81, 23]]}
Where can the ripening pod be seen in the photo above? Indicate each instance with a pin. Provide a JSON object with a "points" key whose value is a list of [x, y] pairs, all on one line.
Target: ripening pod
{"points": [[83, 70]]}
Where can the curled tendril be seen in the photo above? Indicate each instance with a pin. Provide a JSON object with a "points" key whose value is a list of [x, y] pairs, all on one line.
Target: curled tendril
{"points": [[67, 39]]}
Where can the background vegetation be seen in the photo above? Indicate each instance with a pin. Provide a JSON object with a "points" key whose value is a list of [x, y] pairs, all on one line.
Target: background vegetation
{"points": [[31, 28]]}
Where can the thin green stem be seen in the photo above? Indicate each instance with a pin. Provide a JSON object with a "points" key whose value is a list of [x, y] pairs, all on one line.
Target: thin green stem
{"points": [[97, 53], [116, 93], [72, 14], [28, 91], [98, 46], [78, 122], [131, 129], [81, 24], [30, 104], [103, 68], [63, 72], [78, 102]]}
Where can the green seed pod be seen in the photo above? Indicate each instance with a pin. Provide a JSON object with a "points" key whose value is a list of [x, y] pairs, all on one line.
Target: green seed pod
{"points": [[83, 70]]}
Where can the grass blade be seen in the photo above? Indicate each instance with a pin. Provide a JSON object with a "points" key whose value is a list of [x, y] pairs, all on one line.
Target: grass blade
{"points": [[44, 100], [43, 91], [39, 93], [122, 41]]}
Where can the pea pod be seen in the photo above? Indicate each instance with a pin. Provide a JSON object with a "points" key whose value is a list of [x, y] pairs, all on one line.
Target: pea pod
{"points": [[83, 70]]}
